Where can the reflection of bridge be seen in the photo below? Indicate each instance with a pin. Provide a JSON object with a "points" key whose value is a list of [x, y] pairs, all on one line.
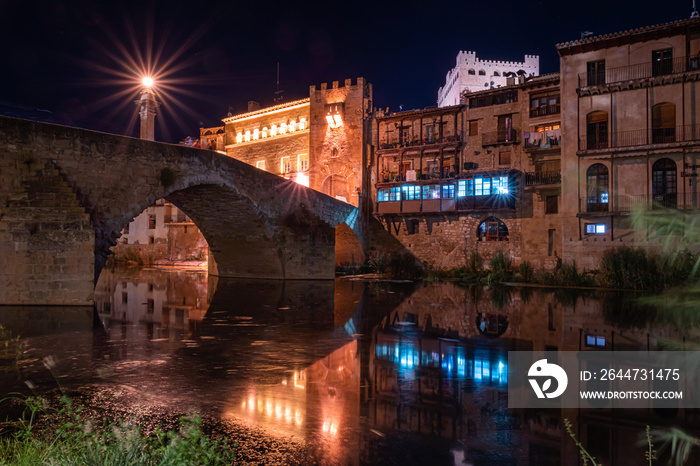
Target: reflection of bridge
{"points": [[67, 193]]}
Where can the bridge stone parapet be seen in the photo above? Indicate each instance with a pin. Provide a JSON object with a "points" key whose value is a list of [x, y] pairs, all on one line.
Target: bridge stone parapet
{"points": [[67, 193]]}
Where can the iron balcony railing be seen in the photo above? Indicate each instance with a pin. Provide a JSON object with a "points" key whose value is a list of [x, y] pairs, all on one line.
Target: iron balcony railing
{"points": [[545, 110], [641, 137], [629, 203], [418, 142], [500, 137], [639, 71], [542, 178], [544, 143]]}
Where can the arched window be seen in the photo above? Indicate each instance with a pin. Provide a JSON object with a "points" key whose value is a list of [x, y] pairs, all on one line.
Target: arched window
{"points": [[664, 183], [492, 229], [239, 137], [496, 73], [663, 123], [256, 134], [246, 138], [273, 130], [264, 132], [283, 128], [597, 130], [482, 73], [292, 126], [597, 188], [471, 72], [302, 124]]}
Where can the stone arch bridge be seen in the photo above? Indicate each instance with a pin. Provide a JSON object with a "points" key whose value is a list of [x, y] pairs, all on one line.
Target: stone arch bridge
{"points": [[66, 193]]}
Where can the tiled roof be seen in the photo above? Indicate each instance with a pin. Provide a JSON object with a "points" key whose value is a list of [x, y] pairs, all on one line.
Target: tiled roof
{"points": [[262, 111], [629, 33]]}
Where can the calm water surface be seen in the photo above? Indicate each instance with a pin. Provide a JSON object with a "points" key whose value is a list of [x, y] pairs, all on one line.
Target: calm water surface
{"points": [[354, 372]]}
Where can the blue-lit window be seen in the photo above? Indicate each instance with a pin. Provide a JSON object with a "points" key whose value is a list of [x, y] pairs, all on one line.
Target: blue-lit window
{"points": [[465, 188], [382, 195], [500, 185], [431, 192], [595, 228], [410, 192], [595, 340], [394, 194], [448, 191]]}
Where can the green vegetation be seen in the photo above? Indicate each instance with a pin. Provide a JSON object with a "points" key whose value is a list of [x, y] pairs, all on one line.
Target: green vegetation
{"points": [[638, 269], [68, 437], [130, 256]]}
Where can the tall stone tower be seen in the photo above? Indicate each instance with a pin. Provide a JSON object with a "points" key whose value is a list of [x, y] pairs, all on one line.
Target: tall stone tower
{"points": [[147, 111]]}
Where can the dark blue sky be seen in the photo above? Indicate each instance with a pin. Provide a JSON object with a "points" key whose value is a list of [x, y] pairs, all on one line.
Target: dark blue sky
{"points": [[58, 55]]}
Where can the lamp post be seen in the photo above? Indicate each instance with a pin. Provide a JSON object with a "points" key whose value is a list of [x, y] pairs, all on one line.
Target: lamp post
{"points": [[147, 105]]}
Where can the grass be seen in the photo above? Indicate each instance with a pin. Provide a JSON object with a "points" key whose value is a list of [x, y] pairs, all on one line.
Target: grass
{"points": [[68, 437]]}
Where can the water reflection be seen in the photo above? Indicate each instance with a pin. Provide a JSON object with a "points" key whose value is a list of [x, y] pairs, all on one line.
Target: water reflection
{"points": [[377, 373]]}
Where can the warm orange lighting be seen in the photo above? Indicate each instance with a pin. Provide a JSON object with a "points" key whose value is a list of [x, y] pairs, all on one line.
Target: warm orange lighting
{"points": [[338, 120], [147, 81], [302, 179]]}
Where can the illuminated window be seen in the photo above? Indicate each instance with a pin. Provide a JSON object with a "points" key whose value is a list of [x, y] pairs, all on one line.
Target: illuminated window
{"points": [[247, 136], [273, 130], [302, 124], [492, 229], [260, 164], [448, 191], [264, 132], [303, 162], [595, 340], [292, 126], [595, 228], [283, 128], [431, 192], [411, 192], [286, 165], [239, 138], [256, 134]]}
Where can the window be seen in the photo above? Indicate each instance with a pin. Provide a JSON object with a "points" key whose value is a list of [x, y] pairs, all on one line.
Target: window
{"points": [[595, 72], [382, 195], [151, 222], [292, 126], [246, 137], [505, 129], [471, 72], [499, 185], [239, 138], [302, 123], [482, 73], [551, 205], [547, 127], [465, 188], [597, 188], [448, 191], [544, 105], [303, 162], [492, 229], [483, 186], [499, 98], [595, 228], [597, 130], [286, 165], [661, 62], [394, 194], [260, 164], [283, 128], [430, 133], [273, 130], [431, 192], [125, 297], [256, 134], [473, 127], [664, 183], [595, 340], [151, 240], [663, 123], [504, 158], [264, 132], [411, 192]]}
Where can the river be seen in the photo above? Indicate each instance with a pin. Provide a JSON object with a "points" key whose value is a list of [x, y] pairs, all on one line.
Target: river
{"points": [[341, 372]]}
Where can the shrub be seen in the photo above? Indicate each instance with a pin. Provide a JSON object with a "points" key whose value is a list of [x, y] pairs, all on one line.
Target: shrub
{"points": [[526, 271], [500, 268]]}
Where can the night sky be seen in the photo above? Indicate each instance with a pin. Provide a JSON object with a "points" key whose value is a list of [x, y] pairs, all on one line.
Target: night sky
{"points": [[71, 57]]}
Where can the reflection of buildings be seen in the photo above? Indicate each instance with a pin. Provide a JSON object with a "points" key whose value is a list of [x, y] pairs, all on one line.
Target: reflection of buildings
{"points": [[165, 305], [438, 367]]}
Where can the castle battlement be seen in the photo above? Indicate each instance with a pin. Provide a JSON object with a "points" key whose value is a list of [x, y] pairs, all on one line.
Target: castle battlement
{"points": [[334, 85]]}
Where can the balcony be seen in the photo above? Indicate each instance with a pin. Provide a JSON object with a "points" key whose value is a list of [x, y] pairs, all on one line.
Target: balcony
{"points": [[641, 137], [639, 71], [495, 138], [393, 144], [543, 178], [545, 110], [647, 202]]}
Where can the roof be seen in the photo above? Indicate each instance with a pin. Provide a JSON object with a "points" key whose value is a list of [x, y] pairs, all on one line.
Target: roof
{"points": [[407, 113], [265, 110], [626, 37]]}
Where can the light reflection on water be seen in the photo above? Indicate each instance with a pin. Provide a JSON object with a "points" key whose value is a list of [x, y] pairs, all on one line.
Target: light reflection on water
{"points": [[364, 373]]}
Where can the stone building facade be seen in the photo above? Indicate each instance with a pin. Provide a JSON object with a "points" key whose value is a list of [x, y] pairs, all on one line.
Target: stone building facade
{"points": [[319, 141], [480, 177], [631, 139], [471, 74]]}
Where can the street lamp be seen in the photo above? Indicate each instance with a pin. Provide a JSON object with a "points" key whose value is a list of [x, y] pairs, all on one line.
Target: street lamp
{"points": [[147, 109]]}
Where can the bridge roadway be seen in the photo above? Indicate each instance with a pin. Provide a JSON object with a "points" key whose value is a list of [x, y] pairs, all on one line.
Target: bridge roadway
{"points": [[66, 193]]}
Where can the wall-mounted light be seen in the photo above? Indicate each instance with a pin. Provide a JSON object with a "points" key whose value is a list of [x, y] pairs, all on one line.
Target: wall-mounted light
{"points": [[334, 114]]}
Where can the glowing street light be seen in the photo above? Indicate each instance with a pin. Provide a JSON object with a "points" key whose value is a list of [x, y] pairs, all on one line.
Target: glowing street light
{"points": [[147, 81]]}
